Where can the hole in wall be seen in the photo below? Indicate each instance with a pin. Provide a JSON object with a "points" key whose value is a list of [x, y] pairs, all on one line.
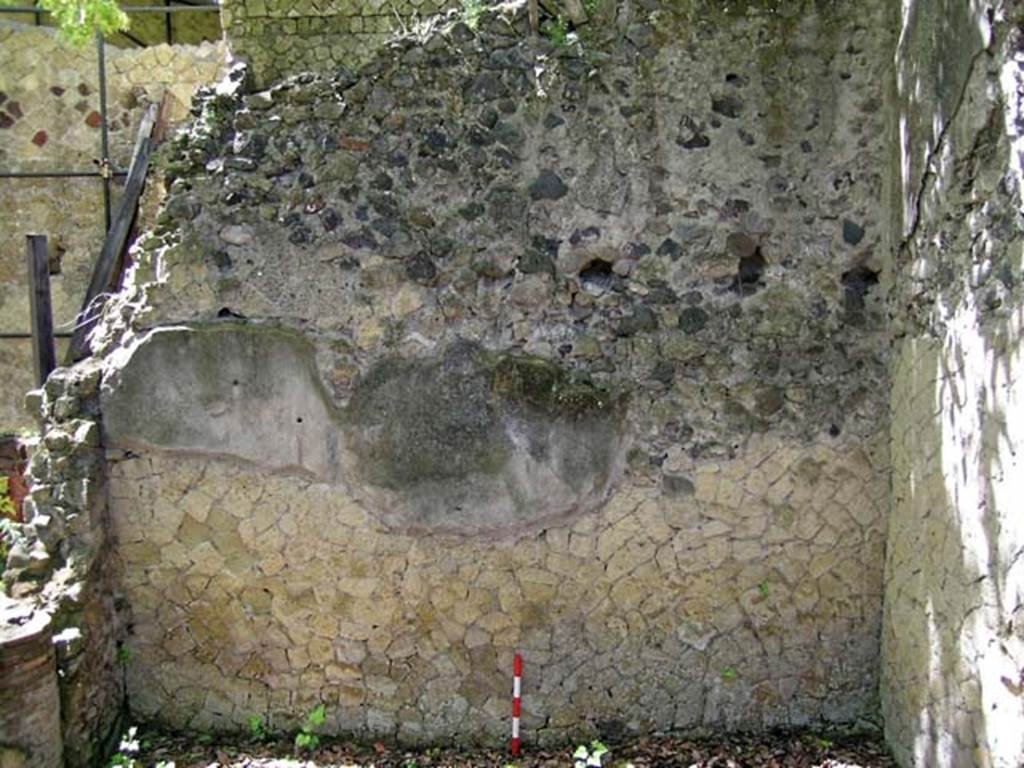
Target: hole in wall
{"points": [[597, 274], [857, 283], [749, 271]]}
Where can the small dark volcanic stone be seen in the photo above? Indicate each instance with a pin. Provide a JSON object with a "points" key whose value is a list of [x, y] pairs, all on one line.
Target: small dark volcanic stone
{"points": [[740, 244], [853, 232], [548, 186], [729, 106], [664, 372], [670, 248], [642, 320], [690, 134], [420, 268], [693, 319], [552, 121], [484, 87], [330, 219], [677, 485]]}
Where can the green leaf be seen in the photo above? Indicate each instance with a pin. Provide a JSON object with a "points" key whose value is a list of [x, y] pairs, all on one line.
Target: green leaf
{"points": [[80, 20], [317, 717]]}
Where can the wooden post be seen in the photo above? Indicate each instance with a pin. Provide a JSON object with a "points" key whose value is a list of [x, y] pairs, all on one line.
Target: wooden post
{"points": [[105, 268], [44, 352]]}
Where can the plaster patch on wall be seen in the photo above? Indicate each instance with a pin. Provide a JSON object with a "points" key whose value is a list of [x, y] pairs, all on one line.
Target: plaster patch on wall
{"points": [[246, 392], [466, 442]]}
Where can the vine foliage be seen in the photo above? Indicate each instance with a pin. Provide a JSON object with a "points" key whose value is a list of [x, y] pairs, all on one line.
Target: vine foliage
{"points": [[80, 20]]}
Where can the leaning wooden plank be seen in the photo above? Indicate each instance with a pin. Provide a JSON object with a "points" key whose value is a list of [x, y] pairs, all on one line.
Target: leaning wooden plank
{"points": [[44, 352], [113, 245]]}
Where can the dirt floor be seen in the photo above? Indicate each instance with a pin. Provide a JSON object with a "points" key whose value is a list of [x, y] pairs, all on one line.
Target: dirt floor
{"points": [[820, 749]]}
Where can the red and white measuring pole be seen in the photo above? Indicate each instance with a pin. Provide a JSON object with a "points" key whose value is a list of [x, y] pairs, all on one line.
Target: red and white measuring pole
{"points": [[517, 702]]}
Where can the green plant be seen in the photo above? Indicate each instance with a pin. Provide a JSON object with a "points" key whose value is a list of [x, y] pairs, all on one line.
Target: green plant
{"points": [[730, 675], [762, 588], [127, 749], [124, 655], [257, 728], [472, 10], [80, 20], [7, 510], [587, 756], [10, 530], [308, 738], [557, 31]]}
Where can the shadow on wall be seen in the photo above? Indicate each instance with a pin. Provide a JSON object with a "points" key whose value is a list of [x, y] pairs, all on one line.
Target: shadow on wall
{"points": [[954, 627], [954, 608]]}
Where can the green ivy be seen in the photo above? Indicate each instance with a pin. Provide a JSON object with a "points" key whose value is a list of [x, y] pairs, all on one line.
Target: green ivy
{"points": [[7, 509], [80, 20], [472, 10], [8, 520]]}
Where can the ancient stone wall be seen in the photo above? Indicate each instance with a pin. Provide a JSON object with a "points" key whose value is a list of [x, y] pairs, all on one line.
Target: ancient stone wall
{"points": [[500, 345], [953, 639], [284, 37], [50, 120], [60, 566]]}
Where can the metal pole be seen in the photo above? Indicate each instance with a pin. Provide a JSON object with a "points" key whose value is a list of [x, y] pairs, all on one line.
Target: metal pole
{"points": [[132, 38], [101, 56], [44, 352], [57, 174], [167, 22], [204, 8], [5, 335]]}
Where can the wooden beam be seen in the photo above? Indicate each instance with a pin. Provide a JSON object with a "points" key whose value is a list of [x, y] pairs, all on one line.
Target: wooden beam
{"points": [[105, 269], [44, 353]]}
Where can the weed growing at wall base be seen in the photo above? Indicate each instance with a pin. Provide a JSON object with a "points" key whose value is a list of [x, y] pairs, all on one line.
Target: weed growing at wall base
{"points": [[127, 750], [257, 728], [308, 738], [589, 756]]}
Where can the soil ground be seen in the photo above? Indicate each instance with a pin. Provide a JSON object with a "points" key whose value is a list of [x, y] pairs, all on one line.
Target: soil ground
{"points": [[791, 749]]}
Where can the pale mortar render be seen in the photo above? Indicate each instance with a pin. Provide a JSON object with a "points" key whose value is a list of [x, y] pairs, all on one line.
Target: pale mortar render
{"points": [[680, 359]]}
